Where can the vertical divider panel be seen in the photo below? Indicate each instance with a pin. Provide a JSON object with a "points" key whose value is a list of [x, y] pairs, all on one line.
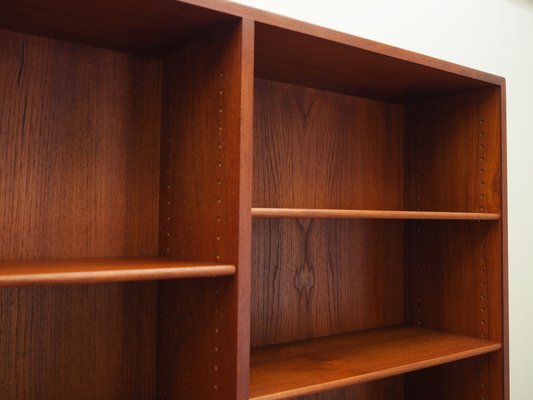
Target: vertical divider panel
{"points": [[205, 214], [454, 268]]}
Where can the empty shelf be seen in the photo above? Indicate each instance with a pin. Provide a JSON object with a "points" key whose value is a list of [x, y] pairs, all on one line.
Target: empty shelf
{"points": [[367, 214], [311, 366], [98, 270]]}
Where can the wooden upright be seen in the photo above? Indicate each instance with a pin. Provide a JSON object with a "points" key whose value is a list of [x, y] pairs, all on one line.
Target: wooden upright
{"points": [[203, 201]]}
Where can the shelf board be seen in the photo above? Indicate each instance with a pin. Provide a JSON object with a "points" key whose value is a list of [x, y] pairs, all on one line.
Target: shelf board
{"points": [[367, 214], [99, 270], [315, 365]]}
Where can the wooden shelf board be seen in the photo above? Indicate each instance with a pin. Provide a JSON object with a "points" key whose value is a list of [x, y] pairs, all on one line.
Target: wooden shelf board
{"points": [[99, 270], [315, 365], [367, 214]]}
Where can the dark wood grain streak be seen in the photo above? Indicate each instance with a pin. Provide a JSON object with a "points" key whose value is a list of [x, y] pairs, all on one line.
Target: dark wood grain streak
{"points": [[198, 325], [79, 178], [317, 149]]}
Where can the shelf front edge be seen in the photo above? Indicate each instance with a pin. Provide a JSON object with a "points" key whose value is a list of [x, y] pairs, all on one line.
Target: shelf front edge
{"points": [[258, 212]]}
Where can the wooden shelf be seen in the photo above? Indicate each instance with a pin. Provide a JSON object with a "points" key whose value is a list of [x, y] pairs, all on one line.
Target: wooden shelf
{"points": [[99, 270], [367, 214], [311, 366]]}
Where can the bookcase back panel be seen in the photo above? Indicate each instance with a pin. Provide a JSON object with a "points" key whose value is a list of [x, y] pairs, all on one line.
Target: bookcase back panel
{"points": [[383, 389], [452, 153], [474, 378], [314, 278], [79, 166], [79, 172], [78, 342], [318, 149]]}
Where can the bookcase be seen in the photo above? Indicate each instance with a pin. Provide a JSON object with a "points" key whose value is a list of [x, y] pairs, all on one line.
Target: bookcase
{"points": [[199, 200]]}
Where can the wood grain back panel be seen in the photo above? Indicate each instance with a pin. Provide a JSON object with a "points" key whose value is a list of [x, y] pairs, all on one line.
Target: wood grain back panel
{"points": [[317, 149], [314, 278], [467, 379], [453, 153], [198, 327], [78, 178], [78, 342], [383, 389], [80, 148]]}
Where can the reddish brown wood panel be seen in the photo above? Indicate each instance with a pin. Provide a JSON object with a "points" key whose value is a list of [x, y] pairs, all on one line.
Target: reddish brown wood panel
{"points": [[140, 26], [466, 379], [78, 342], [454, 276], [317, 149], [453, 154], [200, 220], [79, 177], [80, 151], [311, 366], [299, 58], [314, 278], [382, 389]]}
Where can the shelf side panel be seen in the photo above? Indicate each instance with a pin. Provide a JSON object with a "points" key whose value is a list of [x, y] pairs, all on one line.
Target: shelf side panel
{"points": [[313, 278], [452, 153], [318, 149], [79, 178], [454, 284], [203, 216]]}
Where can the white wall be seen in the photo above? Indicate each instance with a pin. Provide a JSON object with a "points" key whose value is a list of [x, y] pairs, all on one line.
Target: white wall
{"points": [[491, 35]]}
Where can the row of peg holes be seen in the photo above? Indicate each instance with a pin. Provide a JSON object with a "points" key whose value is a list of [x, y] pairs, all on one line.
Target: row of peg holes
{"points": [[219, 184], [483, 270]]}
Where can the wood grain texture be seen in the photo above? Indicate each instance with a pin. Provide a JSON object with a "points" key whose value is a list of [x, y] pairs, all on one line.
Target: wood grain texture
{"points": [[320, 364], [79, 166], [315, 278], [382, 53], [367, 214], [198, 327], [460, 291], [453, 154], [465, 379], [139, 26], [289, 56], [78, 342], [316, 149], [100, 270], [79, 177], [382, 389]]}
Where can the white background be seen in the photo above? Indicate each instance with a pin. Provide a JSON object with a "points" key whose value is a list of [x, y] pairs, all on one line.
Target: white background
{"points": [[495, 36]]}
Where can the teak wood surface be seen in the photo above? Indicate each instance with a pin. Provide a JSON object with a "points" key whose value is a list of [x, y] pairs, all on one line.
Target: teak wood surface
{"points": [[295, 369], [342, 187]]}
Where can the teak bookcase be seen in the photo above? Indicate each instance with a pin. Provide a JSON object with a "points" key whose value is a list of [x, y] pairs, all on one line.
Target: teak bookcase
{"points": [[200, 200]]}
